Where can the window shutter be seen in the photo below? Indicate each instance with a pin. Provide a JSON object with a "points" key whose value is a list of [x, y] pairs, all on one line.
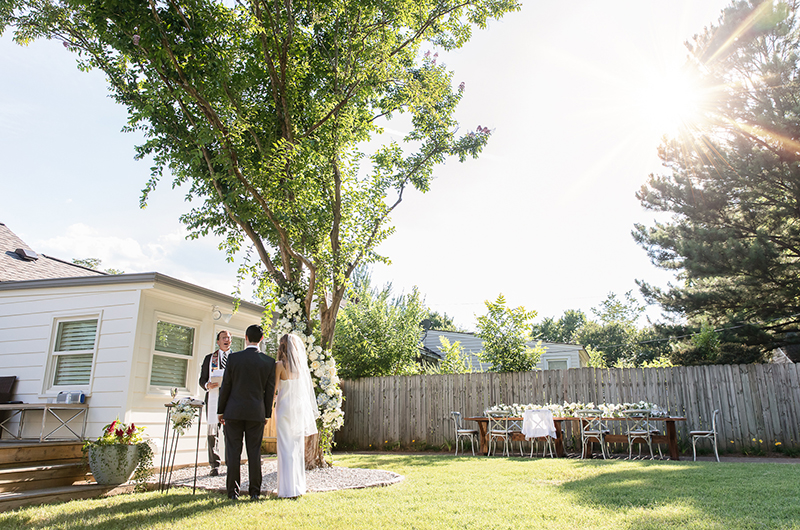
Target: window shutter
{"points": [[168, 372], [76, 335], [73, 369], [177, 343], [174, 338]]}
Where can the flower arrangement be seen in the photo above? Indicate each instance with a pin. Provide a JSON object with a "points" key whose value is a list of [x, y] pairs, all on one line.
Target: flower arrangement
{"points": [[610, 410], [118, 434], [183, 414], [321, 363]]}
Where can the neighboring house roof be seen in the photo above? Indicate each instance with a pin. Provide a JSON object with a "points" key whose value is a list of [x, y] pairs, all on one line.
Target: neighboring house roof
{"points": [[473, 345], [786, 354], [28, 265]]}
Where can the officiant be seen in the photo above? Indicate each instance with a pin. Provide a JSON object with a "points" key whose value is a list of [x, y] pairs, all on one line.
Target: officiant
{"points": [[210, 379]]}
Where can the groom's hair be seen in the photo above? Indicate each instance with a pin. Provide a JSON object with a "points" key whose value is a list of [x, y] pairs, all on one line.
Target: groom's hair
{"points": [[254, 333]]}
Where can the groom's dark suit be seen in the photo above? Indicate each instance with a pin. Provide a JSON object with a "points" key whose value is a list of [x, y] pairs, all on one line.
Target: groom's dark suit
{"points": [[245, 401]]}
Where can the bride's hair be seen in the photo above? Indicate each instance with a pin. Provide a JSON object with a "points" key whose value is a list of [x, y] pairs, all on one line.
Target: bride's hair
{"points": [[291, 359]]}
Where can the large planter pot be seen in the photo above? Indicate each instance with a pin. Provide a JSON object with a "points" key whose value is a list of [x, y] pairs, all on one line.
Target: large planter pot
{"points": [[113, 464]]}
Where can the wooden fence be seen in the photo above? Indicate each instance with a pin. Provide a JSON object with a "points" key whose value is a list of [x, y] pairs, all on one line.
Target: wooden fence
{"points": [[759, 403]]}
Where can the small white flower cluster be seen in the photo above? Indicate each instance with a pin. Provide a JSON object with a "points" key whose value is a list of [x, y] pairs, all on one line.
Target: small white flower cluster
{"points": [[565, 410], [182, 415], [321, 362]]}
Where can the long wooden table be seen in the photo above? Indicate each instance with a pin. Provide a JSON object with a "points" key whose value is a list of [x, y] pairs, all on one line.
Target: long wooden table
{"points": [[670, 438]]}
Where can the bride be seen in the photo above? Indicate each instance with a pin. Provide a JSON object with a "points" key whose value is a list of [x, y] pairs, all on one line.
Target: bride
{"points": [[296, 412]]}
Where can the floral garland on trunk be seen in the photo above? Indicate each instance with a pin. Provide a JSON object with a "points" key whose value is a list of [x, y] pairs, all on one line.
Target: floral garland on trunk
{"points": [[321, 364]]}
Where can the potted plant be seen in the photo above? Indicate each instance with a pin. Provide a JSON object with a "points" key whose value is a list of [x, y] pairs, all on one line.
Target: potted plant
{"points": [[118, 453]]}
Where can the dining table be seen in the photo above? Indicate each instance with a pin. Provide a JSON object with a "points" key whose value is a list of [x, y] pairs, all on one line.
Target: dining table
{"points": [[669, 438]]}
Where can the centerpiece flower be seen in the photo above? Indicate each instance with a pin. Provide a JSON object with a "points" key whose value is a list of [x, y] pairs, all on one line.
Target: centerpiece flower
{"points": [[119, 452], [183, 414]]}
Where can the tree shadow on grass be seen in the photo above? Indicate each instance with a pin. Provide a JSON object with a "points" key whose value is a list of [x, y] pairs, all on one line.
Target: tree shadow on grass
{"points": [[124, 511], [731, 495]]}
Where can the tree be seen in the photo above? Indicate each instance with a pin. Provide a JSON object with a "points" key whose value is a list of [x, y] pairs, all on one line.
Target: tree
{"points": [[733, 345], [614, 339], [94, 263], [733, 188], [505, 333], [442, 321], [565, 329], [456, 360], [378, 334], [260, 108]]}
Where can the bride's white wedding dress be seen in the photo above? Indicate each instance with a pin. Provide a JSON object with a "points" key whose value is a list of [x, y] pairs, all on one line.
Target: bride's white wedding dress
{"points": [[296, 414], [291, 442]]}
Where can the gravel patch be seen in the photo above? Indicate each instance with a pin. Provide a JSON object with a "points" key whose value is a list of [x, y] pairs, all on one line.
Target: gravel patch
{"points": [[317, 480]]}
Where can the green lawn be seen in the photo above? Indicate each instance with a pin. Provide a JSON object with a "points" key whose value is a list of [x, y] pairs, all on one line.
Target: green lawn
{"points": [[474, 492]]}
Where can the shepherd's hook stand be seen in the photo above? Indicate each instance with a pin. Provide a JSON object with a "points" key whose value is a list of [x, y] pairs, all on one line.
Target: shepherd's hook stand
{"points": [[168, 455]]}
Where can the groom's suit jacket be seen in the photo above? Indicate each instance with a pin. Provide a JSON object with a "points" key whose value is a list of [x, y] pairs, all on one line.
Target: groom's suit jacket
{"points": [[248, 386]]}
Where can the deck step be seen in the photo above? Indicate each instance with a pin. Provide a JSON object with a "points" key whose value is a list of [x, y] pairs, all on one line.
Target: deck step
{"points": [[13, 500], [34, 452], [43, 476]]}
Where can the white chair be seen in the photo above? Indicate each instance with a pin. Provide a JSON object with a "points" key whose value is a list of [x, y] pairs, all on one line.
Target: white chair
{"points": [[593, 429], [462, 433], [500, 429], [710, 435], [539, 425], [638, 428]]}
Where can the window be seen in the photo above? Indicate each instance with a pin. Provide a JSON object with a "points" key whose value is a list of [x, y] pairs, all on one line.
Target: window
{"points": [[174, 347], [73, 352], [557, 364], [237, 344]]}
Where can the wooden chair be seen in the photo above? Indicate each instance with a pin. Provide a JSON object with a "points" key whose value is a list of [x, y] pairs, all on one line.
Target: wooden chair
{"points": [[462, 433], [709, 435]]}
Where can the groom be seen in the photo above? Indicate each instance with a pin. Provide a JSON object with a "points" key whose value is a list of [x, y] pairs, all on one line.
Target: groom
{"points": [[245, 401]]}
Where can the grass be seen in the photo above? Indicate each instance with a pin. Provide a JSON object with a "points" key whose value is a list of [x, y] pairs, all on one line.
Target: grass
{"points": [[444, 492]]}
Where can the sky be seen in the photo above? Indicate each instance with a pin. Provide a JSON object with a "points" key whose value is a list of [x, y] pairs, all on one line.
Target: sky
{"points": [[572, 92]]}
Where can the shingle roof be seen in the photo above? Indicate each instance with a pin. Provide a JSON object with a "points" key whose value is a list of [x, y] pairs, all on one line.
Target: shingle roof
{"points": [[14, 267]]}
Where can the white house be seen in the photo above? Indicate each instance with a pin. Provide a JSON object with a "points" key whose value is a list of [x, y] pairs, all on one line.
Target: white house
{"points": [[124, 340], [557, 356]]}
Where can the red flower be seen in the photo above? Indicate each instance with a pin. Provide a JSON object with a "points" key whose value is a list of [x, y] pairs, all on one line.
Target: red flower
{"points": [[120, 433]]}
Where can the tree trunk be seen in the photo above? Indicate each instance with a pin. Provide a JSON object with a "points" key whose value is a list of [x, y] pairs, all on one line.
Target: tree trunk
{"points": [[314, 456]]}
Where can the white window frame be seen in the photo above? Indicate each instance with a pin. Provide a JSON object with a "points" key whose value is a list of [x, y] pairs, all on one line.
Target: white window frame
{"points": [[49, 387], [557, 359], [158, 316]]}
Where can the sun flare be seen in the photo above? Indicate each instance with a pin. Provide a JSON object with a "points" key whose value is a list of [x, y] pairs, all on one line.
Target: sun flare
{"points": [[669, 101]]}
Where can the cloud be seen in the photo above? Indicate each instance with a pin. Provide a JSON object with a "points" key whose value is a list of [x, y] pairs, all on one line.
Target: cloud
{"points": [[195, 261], [80, 241]]}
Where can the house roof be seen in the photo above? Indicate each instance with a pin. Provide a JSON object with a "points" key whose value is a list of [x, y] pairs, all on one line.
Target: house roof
{"points": [[15, 267], [122, 279], [473, 345], [45, 272]]}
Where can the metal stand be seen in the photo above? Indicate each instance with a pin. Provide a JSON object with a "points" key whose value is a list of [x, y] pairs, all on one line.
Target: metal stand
{"points": [[168, 454]]}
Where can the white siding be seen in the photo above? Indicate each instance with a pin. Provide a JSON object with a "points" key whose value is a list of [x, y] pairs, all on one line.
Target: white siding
{"points": [[120, 382], [147, 405], [27, 327]]}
